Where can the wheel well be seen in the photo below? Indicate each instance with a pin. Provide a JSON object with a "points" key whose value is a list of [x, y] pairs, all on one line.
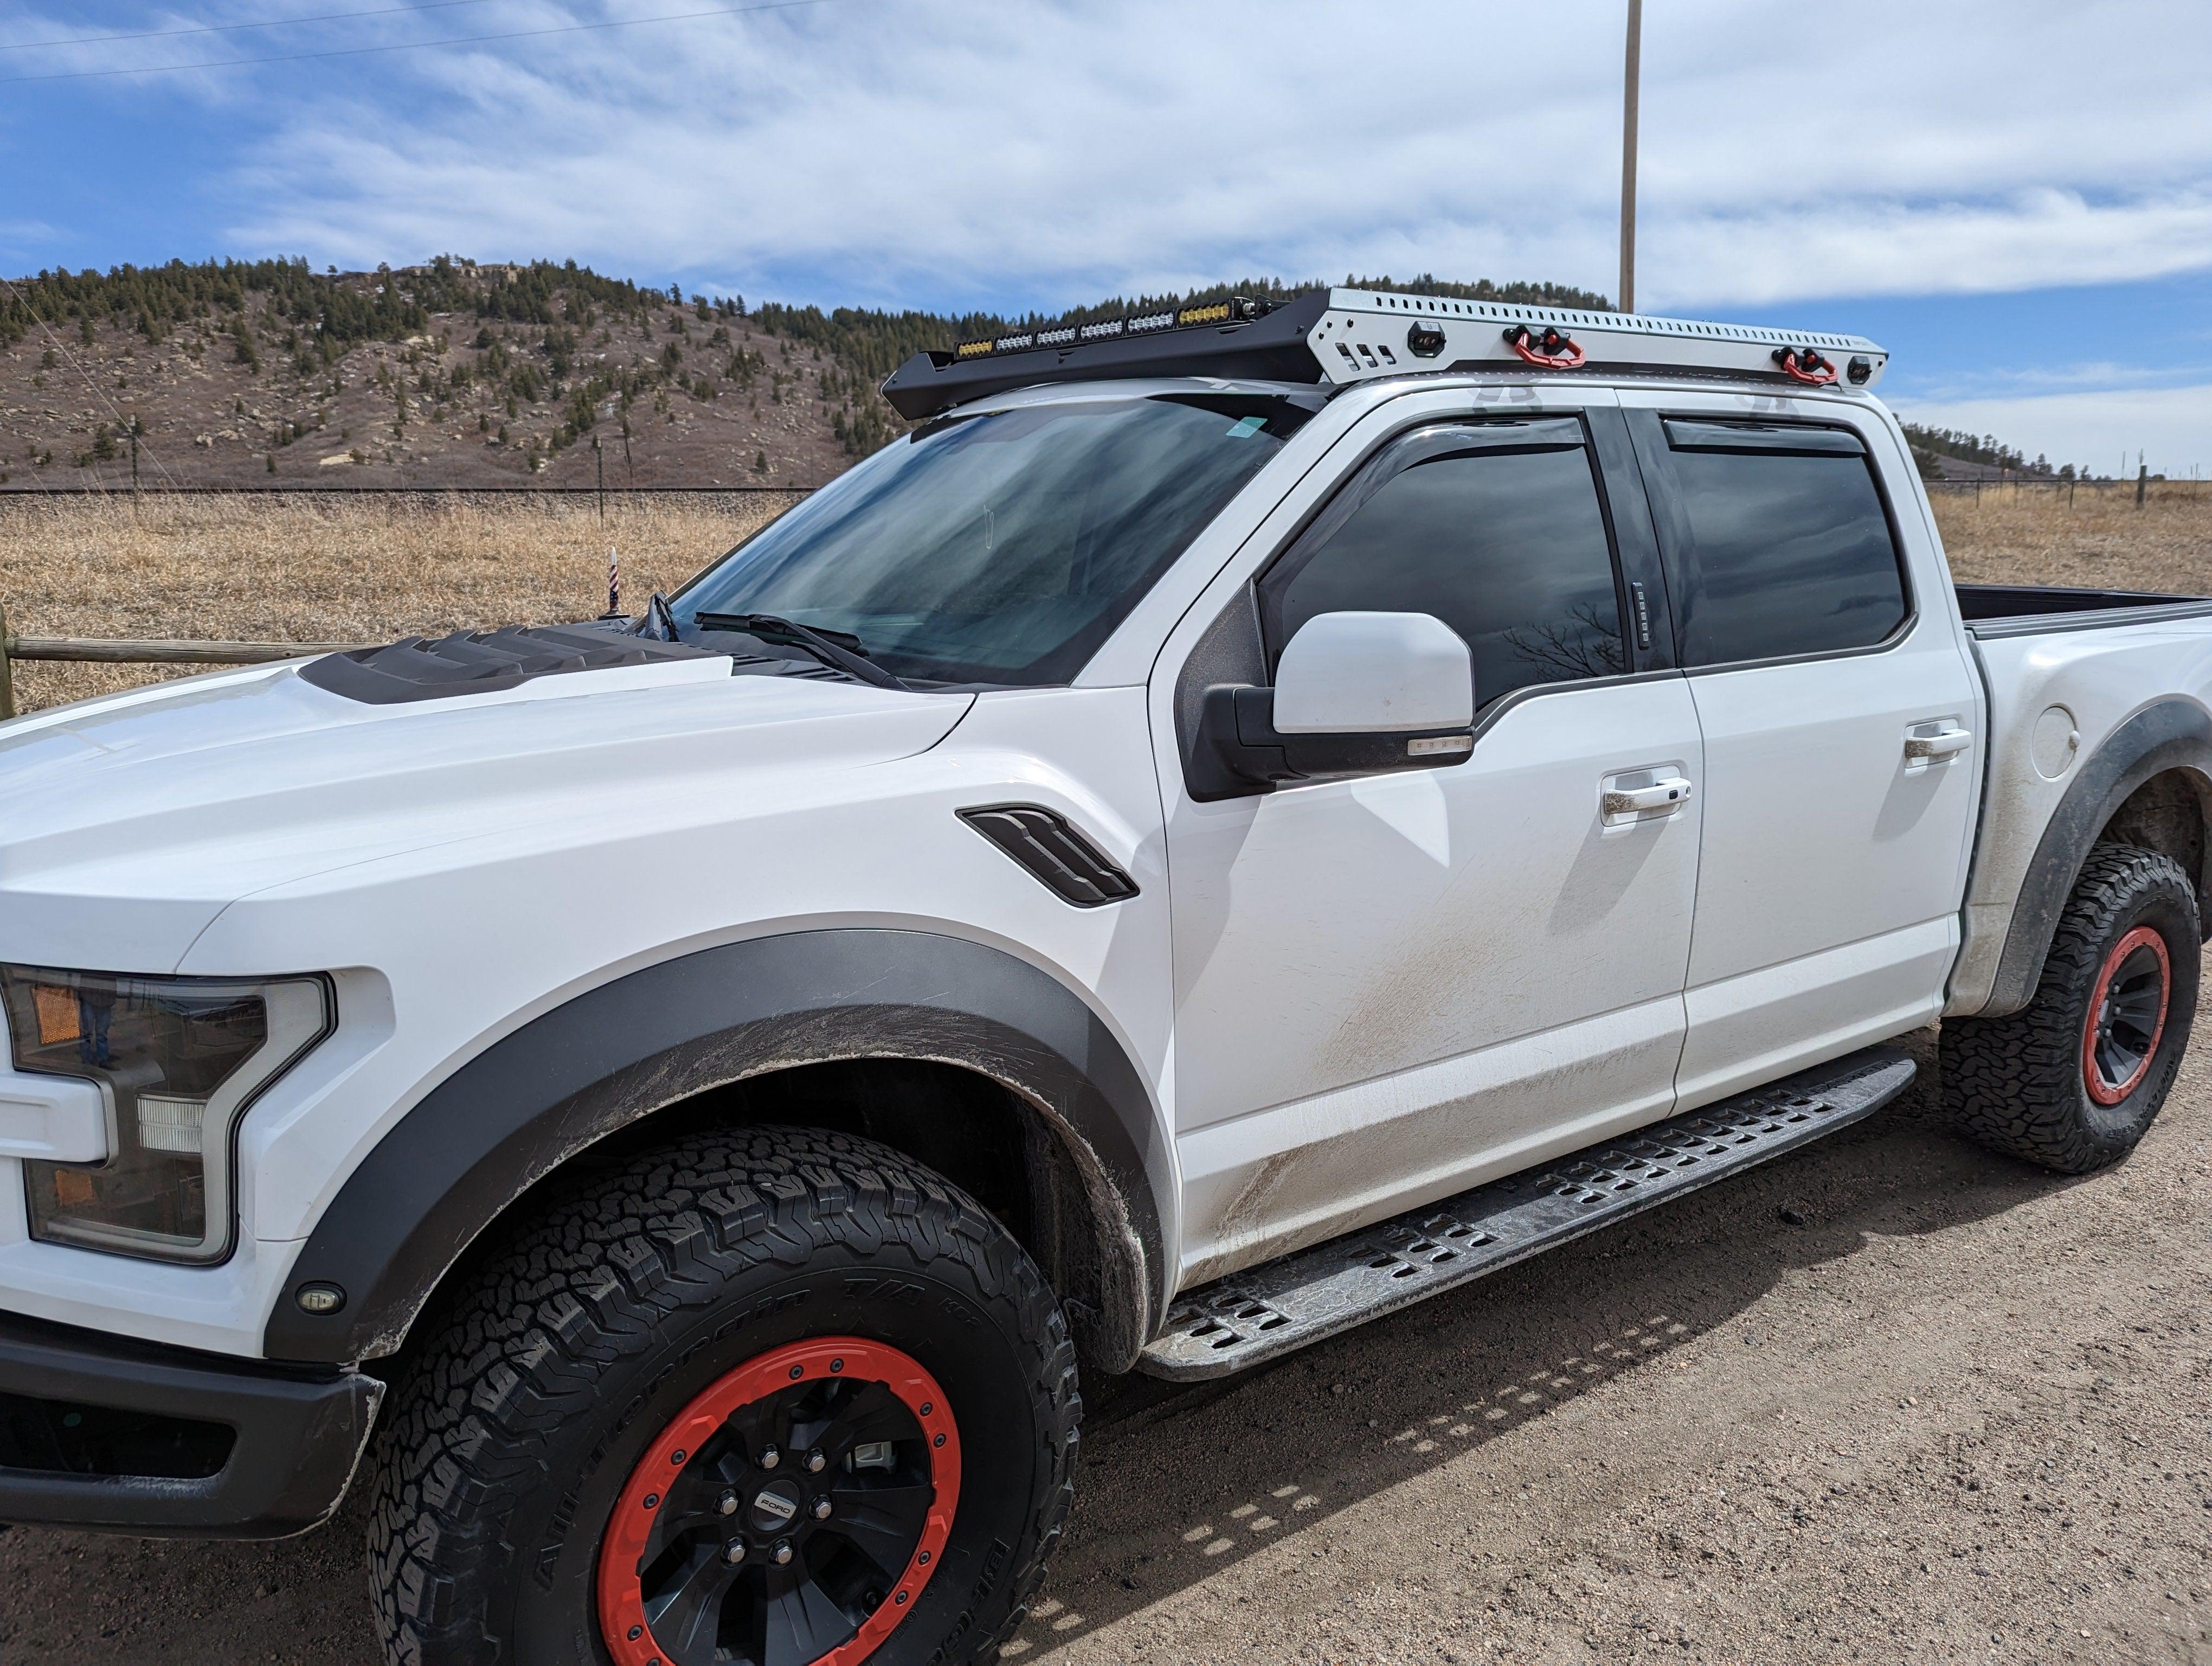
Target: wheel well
{"points": [[2168, 814], [981, 1136]]}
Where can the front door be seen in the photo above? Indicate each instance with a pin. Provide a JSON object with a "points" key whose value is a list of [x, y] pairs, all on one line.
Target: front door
{"points": [[1389, 989], [1840, 719]]}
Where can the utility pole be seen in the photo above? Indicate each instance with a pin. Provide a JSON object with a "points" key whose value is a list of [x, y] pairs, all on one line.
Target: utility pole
{"points": [[1631, 73], [599, 456]]}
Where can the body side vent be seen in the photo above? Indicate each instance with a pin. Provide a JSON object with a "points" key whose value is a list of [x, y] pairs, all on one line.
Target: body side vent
{"points": [[1051, 848]]}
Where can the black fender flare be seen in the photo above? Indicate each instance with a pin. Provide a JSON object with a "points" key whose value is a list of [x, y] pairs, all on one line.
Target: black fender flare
{"points": [[2173, 735], [594, 1064]]}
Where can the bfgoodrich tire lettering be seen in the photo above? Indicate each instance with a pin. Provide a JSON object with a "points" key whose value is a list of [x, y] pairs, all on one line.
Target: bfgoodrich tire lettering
{"points": [[508, 1442], [2023, 1084]]}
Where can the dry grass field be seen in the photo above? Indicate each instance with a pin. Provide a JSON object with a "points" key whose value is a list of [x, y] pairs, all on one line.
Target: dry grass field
{"points": [[285, 567], [300, 567], [2096, 537]]}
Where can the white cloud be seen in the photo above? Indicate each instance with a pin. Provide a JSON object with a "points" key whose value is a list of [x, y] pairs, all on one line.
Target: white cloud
{"points": [[964, 152], [2043, 238], [947, 149], [2172, 425]]}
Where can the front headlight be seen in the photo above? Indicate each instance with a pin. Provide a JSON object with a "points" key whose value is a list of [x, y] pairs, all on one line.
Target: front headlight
{"points": [[179, 1060]]}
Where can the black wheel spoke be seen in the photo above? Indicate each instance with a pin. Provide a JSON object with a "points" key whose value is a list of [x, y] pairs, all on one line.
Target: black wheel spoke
{"points": [[2128, 1024], [874, 1413], [674, 1525], [751, 1427], [802, 1624], [685, 1615], [882, 1523]]}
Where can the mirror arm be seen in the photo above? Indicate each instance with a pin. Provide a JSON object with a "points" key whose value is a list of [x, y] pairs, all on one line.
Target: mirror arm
{"points": [[1240, 752]]}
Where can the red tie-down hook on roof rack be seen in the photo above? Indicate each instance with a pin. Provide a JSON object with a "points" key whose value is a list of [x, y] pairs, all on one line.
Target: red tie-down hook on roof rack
{"points": [[1802, 364], [1555, 349]]}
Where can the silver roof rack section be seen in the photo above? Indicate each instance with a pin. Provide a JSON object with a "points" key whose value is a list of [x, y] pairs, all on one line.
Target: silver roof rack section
{"points": [[1364, 334], [1339, 336]]}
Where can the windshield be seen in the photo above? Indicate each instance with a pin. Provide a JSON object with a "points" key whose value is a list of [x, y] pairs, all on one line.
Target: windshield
{"points": [[1001, 548]]}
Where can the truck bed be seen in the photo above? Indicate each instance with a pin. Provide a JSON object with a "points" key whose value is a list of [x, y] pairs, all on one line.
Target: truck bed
{"points": [[2023, 609]]}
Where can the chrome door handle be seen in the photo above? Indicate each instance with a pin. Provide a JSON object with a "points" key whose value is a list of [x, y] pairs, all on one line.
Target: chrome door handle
{"points": [[1944, 742], [1666, 796]]}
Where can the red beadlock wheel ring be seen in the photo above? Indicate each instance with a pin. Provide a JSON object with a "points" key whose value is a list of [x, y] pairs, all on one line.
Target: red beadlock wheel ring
{"points": [[2099, 1022], [1555, 351], [629, 1527], [1804, 365]]}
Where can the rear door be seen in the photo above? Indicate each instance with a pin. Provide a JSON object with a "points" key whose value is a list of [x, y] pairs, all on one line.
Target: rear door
{"points": [[1840, 719]]}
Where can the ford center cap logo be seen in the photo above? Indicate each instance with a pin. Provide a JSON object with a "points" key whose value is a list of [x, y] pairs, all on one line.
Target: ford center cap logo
{"points": [[774, 1507]]}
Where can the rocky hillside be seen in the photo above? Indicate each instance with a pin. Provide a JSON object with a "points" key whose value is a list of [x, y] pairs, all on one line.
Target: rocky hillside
{"points": [[251, 375]]}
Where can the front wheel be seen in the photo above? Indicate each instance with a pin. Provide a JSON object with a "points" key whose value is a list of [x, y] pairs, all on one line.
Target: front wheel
{"points": [[774, 1398], [2074, 1078]]}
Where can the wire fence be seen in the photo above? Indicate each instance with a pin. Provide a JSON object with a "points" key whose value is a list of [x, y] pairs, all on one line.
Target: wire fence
{"points": [[196, 652], [210, 651], [2141, 490], [28, 493]]}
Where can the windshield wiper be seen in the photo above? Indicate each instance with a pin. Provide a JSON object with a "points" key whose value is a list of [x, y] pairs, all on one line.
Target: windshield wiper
{"points": [[771, 628]]}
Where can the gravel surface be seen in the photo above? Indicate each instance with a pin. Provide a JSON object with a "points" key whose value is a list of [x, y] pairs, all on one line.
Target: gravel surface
{"points": [[1890, 1398]]}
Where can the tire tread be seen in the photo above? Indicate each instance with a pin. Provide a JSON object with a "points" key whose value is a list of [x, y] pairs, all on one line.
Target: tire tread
{"points": [[525, 1347], [2014, 1083]]}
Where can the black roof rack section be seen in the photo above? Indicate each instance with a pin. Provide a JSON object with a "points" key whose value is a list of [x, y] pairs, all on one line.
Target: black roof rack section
{"points": [[1338, 337], [1257, 341]]}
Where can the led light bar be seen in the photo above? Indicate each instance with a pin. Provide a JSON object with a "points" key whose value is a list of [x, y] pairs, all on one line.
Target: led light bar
{"points": [[1237, 309]]}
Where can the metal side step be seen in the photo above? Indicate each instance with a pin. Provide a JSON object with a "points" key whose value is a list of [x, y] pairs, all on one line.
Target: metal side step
{"points": [[1271, 1309]]}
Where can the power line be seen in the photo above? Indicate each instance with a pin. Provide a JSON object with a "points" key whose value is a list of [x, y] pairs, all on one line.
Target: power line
{"points": [[98, 391], [231, 29], [413, 46]]}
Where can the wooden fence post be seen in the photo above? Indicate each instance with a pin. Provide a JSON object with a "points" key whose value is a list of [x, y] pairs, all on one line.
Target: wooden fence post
{"points": [[7, 670]]}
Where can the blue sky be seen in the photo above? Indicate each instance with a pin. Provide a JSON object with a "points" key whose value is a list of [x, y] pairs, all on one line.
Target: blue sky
{"points": [[2016, 197]]}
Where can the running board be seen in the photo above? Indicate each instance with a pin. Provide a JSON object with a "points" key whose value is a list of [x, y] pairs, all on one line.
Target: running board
{"points": [[1282, 1305]]}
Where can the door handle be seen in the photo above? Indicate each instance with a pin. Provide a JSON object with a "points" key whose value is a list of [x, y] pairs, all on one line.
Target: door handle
{"points": [[1665, 796], [1943, 743]]}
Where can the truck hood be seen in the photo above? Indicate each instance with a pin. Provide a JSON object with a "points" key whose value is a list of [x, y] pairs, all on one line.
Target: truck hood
{"points": [[127, 824]]}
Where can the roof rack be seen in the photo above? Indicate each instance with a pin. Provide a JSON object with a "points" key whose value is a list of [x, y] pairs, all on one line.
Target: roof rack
{"points": [[1339, 336]]}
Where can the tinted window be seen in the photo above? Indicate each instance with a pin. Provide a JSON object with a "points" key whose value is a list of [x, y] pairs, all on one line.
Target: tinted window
{"points": [[1506, 543], [1003, 547], [1793, 551]]}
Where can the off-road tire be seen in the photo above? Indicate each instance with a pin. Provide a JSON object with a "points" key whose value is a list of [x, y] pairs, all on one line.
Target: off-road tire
{"points": [[509, 1437], [2016, 1083]]}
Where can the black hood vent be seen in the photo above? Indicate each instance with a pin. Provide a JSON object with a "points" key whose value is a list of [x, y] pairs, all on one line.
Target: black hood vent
{"points": [[483, 661], [1044, 842]]}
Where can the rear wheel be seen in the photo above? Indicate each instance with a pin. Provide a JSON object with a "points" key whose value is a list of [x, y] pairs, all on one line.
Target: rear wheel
{"points": [[2073, 1079], [780, 1398]]}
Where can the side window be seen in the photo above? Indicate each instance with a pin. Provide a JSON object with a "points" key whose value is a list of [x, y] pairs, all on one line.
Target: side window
{"points": [[1792, 548], [1494, 527]]}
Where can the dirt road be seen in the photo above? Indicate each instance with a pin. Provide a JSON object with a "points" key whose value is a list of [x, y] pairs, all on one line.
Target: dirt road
{"points": [[1889, 1399]]}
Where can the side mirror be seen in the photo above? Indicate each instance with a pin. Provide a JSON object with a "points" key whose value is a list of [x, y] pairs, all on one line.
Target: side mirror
{"points": [[1355, 694], [1374, 673]]}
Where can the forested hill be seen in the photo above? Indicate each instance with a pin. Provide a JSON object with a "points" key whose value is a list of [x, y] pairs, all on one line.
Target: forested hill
{"points": [[269, 373]]}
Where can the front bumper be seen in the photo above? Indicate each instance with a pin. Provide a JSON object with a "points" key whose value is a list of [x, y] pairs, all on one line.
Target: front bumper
{"points": [[117, 1435]]}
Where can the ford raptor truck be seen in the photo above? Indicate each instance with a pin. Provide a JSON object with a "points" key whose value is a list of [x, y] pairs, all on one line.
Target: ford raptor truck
{"points": [[1241, 819]]}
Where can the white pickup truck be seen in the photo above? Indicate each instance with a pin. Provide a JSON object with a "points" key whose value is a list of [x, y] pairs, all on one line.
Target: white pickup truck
{"points": [[1240, 820]]}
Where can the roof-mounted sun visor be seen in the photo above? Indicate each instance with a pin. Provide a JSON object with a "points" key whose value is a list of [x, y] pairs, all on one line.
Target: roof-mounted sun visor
{"points": [[1340, 336]]}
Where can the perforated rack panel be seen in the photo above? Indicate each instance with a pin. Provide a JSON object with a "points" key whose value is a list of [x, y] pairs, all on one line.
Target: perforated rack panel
{"points": [[1364, 334], [1285, 1304]]}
